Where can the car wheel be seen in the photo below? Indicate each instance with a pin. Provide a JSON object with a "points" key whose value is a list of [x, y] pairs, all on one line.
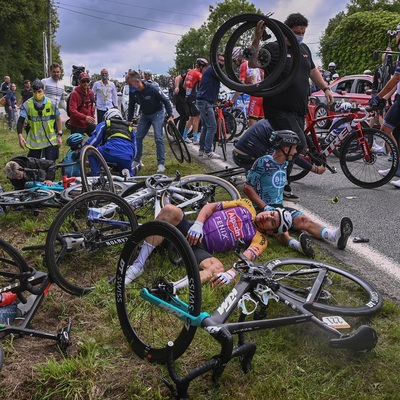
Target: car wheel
{"points": [[322, 111]]}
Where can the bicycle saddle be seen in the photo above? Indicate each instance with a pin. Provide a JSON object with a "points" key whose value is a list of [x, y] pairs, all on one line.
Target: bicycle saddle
{"points": [[363, 339]]}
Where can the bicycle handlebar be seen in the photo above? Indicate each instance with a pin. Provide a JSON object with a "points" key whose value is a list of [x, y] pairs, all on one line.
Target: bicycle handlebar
{"points": [[55, 166]]}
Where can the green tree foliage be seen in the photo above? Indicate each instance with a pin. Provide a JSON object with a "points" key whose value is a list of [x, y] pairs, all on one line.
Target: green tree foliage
{"points": [[196, 43], [350, 40], [372, 5], [21, 31]]}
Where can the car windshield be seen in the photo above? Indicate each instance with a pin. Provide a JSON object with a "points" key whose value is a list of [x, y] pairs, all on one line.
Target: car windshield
{"points": [[343, 86]]}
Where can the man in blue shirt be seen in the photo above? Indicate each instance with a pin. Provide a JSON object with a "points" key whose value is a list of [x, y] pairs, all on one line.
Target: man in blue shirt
{"points": [[152, 101], [206, 98]]}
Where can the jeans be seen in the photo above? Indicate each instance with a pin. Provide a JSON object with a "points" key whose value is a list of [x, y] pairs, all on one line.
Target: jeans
{"points": [[49, 153], [209, 125], [156, 120], [10, 115]]}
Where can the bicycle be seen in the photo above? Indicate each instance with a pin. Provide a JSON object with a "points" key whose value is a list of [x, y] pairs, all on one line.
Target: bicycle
{"points": [[89, 231], [240, 114], [17, 279], [159, 322], [362, 150], [176, 142]]}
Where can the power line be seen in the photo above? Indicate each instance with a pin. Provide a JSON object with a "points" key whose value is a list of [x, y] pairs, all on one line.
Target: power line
{"points": [[122, 15], [120, 23]]}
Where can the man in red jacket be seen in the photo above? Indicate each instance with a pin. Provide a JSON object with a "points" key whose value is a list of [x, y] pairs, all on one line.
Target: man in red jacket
{"points": [[81, 107]]}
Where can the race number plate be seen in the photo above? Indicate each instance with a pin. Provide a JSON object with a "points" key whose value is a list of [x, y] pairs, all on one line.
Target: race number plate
{"points": [[336, 322]]}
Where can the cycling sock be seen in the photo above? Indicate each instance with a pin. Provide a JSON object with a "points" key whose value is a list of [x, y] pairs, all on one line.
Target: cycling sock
{"points": [[181, 283], [195, 136], [185, 133], [144, 253], [295, 244], [329, 235]]}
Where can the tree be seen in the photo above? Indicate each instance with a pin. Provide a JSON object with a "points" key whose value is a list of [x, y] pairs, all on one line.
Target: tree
{"points": [[350, 40], [196, 43], [21, 30]]}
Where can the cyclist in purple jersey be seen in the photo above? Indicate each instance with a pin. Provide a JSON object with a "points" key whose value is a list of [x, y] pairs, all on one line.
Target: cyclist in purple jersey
{"points": [[218, 227]]}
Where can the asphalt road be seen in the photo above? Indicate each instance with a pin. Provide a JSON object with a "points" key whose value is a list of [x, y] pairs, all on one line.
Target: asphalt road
{"points": [[374, 212]]}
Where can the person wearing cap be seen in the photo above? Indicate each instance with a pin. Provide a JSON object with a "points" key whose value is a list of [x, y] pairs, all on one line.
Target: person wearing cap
{"points": [[105, 94], [44, 131], [152, 102], [26, 93], [53, 88], [81, 107], [147, 75]]}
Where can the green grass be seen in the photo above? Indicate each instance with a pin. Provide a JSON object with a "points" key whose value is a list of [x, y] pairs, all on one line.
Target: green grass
{"points": [[293, 362]]}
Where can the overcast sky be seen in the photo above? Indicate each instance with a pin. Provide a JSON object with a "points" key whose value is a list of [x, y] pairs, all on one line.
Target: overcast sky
{"points": [[145, 33]]}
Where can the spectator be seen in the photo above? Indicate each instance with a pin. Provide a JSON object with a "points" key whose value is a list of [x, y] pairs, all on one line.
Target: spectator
{"points": [[152, 101], [14, 170], [43, 118], [287, 109], [53, 88], [171, 82], [11, 102], [81, 107], [191, 85], [26, 93], [116, 141], [105, 94], [206, 98], [5, 85], [180, 98]]}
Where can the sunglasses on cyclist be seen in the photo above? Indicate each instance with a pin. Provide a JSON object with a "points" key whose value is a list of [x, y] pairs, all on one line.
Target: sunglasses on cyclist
{"points": [[85, 80]]}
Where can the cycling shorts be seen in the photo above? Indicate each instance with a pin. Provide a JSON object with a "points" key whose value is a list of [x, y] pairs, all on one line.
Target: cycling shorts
{"points": [[392, 117], [193, 111], [256, 109], [200, 251]]}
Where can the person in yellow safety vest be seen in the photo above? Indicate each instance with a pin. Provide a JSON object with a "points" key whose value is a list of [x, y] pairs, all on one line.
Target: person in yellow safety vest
{"points": [[44, 125]]}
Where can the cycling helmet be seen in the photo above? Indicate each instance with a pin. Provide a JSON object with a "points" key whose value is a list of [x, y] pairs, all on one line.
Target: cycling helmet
{"points": [[285, 220], [346, 107], [112, 113], [237, 52], [284, 138], [75, 140], [201, 62], [332, 64], [37, 84], [367, 72], [335, 76]]}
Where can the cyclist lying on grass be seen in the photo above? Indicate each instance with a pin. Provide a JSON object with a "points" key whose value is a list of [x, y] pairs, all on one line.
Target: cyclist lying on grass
{"points": [[264, 187], [217, 228], [14, 170]]}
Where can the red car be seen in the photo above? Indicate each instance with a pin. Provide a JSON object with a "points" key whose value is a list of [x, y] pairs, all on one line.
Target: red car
{"points": [[355, 89]]}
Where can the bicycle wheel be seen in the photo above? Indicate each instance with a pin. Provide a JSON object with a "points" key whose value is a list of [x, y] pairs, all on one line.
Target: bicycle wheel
{"points": [[341, 292], [25, 197], [197, 191], [241, 121], [147, 327], [297, 172], [86, 238], [230, 124], [364, 172], [222, 138], [103, 181], [173, 141]]}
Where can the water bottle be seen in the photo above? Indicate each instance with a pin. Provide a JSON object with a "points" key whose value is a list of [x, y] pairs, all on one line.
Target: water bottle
{"points": [[7, 298]]}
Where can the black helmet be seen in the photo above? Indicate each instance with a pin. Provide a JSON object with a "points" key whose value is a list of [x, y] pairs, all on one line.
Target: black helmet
{"points": [[284, 138], [37, 84], [201, 62]]}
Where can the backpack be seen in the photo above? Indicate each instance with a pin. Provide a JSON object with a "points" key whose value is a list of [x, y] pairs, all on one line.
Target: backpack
{"points": [[82, 101]]}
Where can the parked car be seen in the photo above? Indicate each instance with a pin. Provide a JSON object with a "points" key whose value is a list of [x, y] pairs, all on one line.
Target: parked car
{"points": [[355, 89], [123, 101]]}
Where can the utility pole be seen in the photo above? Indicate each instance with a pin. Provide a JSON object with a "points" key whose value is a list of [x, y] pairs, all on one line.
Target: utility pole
{"points": [[49, 39]]}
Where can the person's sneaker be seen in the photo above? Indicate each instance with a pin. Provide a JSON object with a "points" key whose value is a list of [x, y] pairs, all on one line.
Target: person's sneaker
{"points": [[306, 245], [187, 140], [289, 196], [160, 168], [136, 163], [196, 141], [343, 233], [383, 172], [201, 153], [133, 272], [395, 183], [211, 154]]}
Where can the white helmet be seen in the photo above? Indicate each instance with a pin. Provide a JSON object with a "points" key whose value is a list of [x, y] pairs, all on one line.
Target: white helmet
{"points": [[332, 64], [112, 113], [346, 107], [335, 76], [285, 222], [237, 52], [367, 72]]}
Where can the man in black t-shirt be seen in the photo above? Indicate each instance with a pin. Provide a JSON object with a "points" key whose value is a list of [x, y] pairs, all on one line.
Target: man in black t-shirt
{"points": [[287, 109], [26, 93]]}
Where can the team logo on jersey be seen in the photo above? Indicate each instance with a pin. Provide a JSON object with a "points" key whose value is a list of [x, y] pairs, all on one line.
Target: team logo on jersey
{"points": [[235, 224], [279, 179]]}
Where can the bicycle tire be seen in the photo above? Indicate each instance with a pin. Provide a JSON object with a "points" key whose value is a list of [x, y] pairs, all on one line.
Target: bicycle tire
{"points": [[81, 249], [26, 197], [230, 124], [214, 189], [297, 172], [104, 181], [241, 122], [173, 141], [342, 293], [365, 173], [231, 80], [148, 328]]}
